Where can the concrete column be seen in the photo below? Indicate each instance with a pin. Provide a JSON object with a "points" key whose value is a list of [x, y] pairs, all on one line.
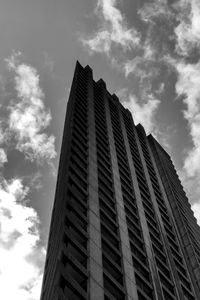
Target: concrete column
{"points": [[129, 276], [172, 266], [94, 243], [175, 218], [143, 222]]}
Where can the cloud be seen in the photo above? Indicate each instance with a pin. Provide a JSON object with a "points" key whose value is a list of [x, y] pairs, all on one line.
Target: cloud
{"points": [[24, 120], [21, 256], [196, 209], [143, 112], [127, 51], [113, 30], [160, 89], [134, 66], [188, 30], [170, 36], [28, 117], [178, 25], [154, 10], [142, 67], [3, 157], [188, 88], [35, 180]]}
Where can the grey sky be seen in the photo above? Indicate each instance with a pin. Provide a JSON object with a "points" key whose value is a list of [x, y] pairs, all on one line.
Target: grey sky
{"points": [[146, 51]]}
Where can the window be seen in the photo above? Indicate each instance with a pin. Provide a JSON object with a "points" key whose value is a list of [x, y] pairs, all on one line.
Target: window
{"points": [[135, 239], [78, 159], [142, 269], [106, 197], [76, 217], [162, 267], [109, 236], [113, 288], [154, 230], [159, 254], [184, 280], [167, 295], [108, 189], [111, 252], [187, 293], [134, 226], [107, 208], [112, 270], [156, 241], [75, 232], [70, 289], [138, 253], [180, 267], [76, 168], [143, 285], [76, 252], [166, 282], [73, 184], [108, 222], [78, 179], [104, 170]]}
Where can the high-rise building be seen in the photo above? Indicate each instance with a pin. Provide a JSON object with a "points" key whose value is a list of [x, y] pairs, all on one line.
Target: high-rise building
{"points": [[122, 226]]}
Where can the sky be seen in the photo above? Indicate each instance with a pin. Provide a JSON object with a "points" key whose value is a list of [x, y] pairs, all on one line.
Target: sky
{"points": [[147, 52]]}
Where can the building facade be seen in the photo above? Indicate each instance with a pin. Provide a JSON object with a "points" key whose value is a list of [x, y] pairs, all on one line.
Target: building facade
{"points": [[122, 226]]}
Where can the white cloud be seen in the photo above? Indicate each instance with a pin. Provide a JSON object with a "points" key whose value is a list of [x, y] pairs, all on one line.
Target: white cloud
{"points": [[22, 128], [187, 86], [188, 30], [3, 157], [28, 117], [113, 30], [21, 257], [114, 34], [143, 112], [196, 209], [142, 67], [183, 16]]}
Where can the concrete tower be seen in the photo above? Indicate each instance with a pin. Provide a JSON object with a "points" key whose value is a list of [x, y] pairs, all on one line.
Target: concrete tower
{"points": [[122, 226]]}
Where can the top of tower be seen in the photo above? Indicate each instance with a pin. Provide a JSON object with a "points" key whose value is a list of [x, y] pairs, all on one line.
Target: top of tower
{"points": [[101, 83], [89, 69], [114, 96], [157, 144]]}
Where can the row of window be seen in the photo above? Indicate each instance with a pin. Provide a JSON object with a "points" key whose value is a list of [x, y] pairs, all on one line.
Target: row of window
{"points": [[74, 257], [183, 208], [140, 263], [147, 204], [172, 239], [167, 225], [158, 247], [111, 250]]}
